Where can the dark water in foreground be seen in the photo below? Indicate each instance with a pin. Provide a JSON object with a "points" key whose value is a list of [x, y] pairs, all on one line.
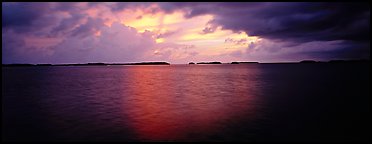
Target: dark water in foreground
{"points": [[254, 102]]}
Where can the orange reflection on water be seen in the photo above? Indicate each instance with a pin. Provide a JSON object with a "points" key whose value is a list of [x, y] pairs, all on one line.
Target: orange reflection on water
{"points": [[186, 104]]}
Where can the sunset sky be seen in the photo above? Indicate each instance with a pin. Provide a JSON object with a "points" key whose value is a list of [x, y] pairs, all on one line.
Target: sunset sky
{"points": [[183, 32]]}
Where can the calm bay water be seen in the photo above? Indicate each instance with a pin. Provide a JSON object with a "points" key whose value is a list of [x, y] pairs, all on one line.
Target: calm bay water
{"points": [[253, 102]]}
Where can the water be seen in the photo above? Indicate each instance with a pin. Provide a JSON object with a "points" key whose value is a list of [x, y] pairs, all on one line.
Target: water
{"points": [[254, 102]]}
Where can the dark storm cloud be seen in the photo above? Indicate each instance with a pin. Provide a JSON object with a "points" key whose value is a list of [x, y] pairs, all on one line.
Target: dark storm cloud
{"points": [[302, 22], [294, 23], [33, 17], [299, 22], [21, 16], [347, 50]]}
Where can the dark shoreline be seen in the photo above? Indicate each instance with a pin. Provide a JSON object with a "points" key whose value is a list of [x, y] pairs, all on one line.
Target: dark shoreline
{"points": [[199, 63], [86, 64]]}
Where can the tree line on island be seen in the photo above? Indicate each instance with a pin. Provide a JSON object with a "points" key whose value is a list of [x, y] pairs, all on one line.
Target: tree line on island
{"points": [[190, 63]]}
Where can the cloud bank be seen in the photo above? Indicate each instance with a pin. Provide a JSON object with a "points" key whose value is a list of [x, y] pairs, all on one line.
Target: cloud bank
{"points": [[95, 32]]}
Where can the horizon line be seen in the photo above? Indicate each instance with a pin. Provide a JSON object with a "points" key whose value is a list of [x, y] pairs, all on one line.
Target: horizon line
{"points": [[199, 62]]}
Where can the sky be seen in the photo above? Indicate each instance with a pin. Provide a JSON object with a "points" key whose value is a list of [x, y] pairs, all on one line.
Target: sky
{"points": [[115, 32]]}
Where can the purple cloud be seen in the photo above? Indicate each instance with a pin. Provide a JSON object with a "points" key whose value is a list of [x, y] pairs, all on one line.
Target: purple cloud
{"points": [[293, 29], [77, 31], [117, 43]]}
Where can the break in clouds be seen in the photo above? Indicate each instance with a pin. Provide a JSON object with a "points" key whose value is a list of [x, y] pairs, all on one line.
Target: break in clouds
{"points": [[98, 32]]}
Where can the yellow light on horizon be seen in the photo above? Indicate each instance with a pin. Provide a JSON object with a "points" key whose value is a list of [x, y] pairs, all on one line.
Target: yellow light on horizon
{"points": [[159, 40], [146, 22], [188, 31]]}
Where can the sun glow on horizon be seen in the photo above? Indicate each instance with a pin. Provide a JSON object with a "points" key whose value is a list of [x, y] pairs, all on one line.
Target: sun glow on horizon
{"points": [[175, 28]]}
